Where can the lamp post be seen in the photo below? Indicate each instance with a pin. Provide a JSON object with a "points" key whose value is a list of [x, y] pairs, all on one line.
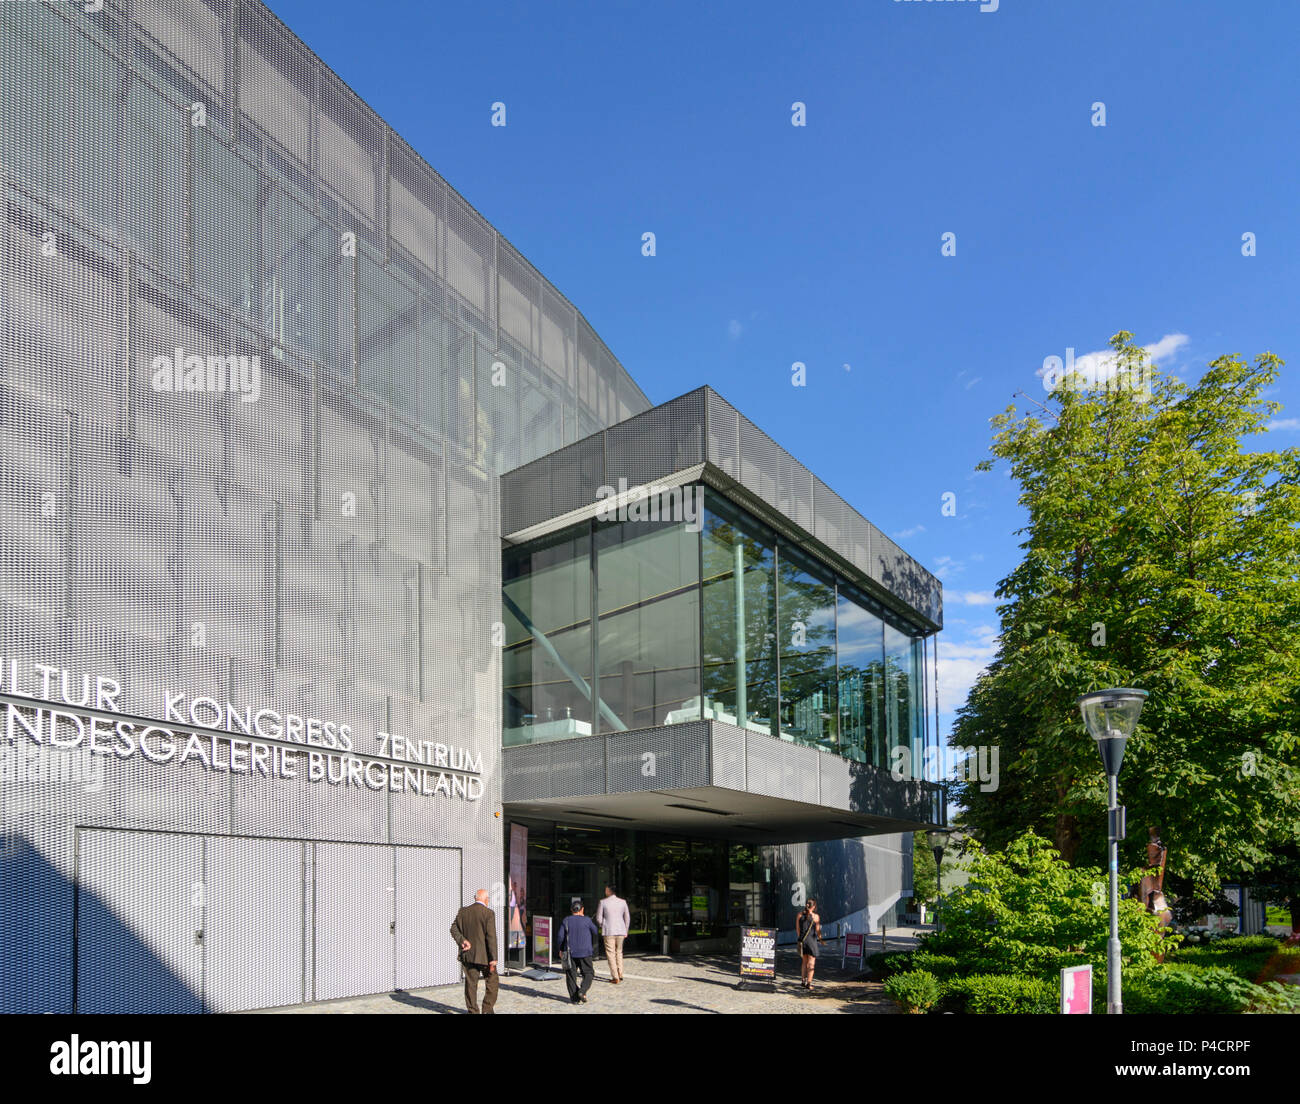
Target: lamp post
{"points": [[937, 838], [1110, 717]]}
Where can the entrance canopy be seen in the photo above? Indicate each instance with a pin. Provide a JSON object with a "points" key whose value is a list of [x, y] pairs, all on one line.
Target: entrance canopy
{"points": [[712, 779]]}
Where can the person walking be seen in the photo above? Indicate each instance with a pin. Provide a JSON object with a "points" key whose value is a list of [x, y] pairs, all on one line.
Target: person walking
{"points": [[614, 919], [808, 928], [475, 932], [578, 938]]}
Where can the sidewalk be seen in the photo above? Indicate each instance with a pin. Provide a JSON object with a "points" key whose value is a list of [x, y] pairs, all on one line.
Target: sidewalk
{"points": [[656, 985]]}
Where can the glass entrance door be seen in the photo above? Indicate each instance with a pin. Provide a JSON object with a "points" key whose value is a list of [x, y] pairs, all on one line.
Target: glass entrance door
{"points": [[577, 878]]}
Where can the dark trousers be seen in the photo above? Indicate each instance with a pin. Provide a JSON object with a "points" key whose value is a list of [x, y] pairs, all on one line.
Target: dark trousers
{"points": [[571, 976], [472, 976]]}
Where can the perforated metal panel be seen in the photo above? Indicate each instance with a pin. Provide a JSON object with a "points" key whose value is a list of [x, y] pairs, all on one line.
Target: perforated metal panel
{"points": [[428, 891], [657, 442], [255, 905], [780, 769], [329, 547], [353, 920], [681, 758], [139, 952]]}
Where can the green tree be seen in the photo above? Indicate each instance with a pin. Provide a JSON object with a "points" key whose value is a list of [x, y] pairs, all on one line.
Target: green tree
{"points": [[1025, 911], [925, 880], [1159, 553]]}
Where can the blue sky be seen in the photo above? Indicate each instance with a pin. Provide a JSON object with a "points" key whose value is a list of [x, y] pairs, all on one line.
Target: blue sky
{"points": [[821, 244]]}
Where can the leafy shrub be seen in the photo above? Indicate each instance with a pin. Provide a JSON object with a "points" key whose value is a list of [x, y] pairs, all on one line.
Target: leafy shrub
{"points": [[916, 990], [999, 994], [1252, 957], [941, 966], [1188, 990], [1276, 997], [1026, 912], [886, 964]]}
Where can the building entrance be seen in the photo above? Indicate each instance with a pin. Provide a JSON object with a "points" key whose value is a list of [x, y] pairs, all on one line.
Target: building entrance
{"points": [[694, 894]]}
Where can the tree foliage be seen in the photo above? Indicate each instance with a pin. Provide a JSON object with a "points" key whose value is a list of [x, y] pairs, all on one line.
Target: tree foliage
{"points": [[1025, 911], [1159, 553]]}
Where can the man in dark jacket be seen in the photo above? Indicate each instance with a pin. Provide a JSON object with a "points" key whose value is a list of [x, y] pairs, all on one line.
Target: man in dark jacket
{"points": [[578, 936], [475, 932]]}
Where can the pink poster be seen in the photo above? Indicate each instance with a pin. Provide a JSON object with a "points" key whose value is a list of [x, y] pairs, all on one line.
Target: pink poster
{"points": [[1076, 991], [518, 919]]}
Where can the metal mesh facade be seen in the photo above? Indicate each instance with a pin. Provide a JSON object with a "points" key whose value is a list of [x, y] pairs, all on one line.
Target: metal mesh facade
{"points": [[184, 178]]}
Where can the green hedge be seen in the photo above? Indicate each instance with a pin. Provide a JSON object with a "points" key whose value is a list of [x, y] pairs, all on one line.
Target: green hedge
{"points": [[886, 964], [941, 966], [1182, 988], [999, 995], [1246, 956], [1178, 988]]}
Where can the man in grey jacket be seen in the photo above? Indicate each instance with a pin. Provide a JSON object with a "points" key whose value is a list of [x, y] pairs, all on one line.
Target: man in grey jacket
{"points": [[614, 919]]}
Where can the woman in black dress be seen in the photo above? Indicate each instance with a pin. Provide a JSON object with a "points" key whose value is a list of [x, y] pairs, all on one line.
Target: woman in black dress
{"points": [[808, 928]]}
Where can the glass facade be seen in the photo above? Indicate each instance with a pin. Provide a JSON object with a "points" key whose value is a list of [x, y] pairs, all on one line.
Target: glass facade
{"points": [[648, 613], [676, 887], [731, 623]]}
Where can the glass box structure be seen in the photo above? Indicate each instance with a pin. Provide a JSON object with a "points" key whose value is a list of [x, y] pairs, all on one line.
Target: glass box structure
{"points": [[716, 618]]}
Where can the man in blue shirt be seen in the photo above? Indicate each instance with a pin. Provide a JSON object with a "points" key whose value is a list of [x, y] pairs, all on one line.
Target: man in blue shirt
{"points": [[578, 936]]}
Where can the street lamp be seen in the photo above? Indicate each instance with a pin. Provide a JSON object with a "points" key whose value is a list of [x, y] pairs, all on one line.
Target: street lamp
{"points": [[1110, 717], [937, 838]]}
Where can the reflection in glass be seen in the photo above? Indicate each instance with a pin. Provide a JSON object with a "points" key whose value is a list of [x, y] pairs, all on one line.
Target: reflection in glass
{"points": [[648, 602], [739, 625], [809, 697], [903, 694], [861, 664], [671, 646], [546, 661]]}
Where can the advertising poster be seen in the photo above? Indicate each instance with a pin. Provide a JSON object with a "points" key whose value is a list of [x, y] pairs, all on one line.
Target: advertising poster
{"points": [[518, 920], [1076, 991], [855, 945], [758, 953], [542, 941]]}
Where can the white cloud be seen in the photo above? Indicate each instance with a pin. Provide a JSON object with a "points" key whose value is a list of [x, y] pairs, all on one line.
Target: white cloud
{"points": [[905, 533], [734, 330], [970, 597], [1170, 343], [960, 664], [973, 382], [1101, 364], [1284, 423], [946, 566]]}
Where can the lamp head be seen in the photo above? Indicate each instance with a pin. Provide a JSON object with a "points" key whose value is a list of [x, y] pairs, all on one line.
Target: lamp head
{"points": [[1111, 716]]}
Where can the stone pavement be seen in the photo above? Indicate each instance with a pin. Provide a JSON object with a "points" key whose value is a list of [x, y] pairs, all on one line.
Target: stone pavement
{"points": [[656, 984]]}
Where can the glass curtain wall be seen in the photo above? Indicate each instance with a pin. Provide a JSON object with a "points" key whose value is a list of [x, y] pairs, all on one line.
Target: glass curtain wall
{"points": [[730, 623], [739, 618], [648, 623], [861, 636], [546, 660], [903, 693], [809, 691]]}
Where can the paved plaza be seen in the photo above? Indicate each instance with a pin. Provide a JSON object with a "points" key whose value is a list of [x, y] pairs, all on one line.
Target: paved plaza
{"points": [[656, 984]]}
